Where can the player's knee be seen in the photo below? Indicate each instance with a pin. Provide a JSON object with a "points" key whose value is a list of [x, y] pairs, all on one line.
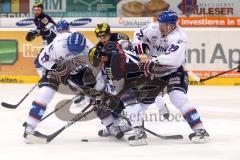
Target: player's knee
{"points": [[44, 95], [178, 98]]}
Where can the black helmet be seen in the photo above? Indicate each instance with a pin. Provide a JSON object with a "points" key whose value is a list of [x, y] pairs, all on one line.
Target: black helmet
{"points": [[38, 4], [94, 55], [102, 29]]}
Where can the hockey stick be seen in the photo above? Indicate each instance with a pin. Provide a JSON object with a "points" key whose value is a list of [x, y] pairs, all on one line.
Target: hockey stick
{"points": [[14, 106], [151, 132], [162, 136], [79, 116], [219, 74]]}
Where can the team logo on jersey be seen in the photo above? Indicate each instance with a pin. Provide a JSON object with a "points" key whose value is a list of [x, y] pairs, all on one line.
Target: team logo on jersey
{"points": [[122, 36], [45, 20], [188, 6]]}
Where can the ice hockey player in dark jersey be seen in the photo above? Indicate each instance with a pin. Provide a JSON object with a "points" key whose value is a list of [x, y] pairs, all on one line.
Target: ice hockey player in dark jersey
{"points": [[44, 25], [111, 121], [111, 79], [120, 77]]}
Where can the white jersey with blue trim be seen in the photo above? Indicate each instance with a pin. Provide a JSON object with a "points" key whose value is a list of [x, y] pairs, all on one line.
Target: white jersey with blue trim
{"points": [[149, 34], [169, 50], [57, 51]]}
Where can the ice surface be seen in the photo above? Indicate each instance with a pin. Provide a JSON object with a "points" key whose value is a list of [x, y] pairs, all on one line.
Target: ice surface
{"points": [[219, 107]]}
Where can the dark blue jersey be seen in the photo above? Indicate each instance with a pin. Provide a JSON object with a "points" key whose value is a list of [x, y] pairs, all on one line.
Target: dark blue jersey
{"points": [[42, 22]]}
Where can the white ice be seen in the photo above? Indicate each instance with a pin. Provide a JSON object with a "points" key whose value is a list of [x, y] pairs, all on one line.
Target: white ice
{"points": [[218, 106]]}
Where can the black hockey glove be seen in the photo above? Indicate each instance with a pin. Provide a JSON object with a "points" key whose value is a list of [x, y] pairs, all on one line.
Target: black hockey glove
{"points": [[32, 34]]}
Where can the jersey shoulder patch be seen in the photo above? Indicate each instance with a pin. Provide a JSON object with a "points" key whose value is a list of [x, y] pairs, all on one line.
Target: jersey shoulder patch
{"points": [[45, 20], [122, 36]]}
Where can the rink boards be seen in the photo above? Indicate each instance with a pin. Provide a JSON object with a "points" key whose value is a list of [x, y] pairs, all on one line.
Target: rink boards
{"points": [[210, 51]]}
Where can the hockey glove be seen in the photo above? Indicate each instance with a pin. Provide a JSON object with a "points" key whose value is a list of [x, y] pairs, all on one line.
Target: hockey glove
{"points": [[141, 48], [32, 34], [45, 32], [152, 66]]}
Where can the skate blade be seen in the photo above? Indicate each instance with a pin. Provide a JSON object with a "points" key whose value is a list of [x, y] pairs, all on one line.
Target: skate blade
{"points": [[201, 140], [31, 139], [139, 142]]}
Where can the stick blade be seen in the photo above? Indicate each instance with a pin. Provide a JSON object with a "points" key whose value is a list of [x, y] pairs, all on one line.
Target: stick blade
{"points": [[54, 135], [172, 137], [31, 139], [10, 106], [166, 137], [194, 76]]}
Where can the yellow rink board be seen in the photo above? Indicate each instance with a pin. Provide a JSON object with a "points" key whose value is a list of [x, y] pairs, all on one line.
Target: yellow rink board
{"points": [[12, 79], [218, 82]]}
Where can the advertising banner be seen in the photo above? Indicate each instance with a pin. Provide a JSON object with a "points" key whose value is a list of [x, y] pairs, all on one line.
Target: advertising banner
{"points": [[59, 8], [209, 21], [120, 22], [14, 8], [127, 22], [79, 8], [122, 8], [193, 8]]}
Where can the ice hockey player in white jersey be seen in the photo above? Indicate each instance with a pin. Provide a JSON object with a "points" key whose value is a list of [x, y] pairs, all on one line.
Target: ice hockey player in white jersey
{"points": [[60, 27], [142, 47], [65, 47], [167, 45]]}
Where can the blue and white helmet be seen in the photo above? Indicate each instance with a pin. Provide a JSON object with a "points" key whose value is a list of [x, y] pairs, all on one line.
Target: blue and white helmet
{"points": [[62, 25], [169, 17], [76, 43]]}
